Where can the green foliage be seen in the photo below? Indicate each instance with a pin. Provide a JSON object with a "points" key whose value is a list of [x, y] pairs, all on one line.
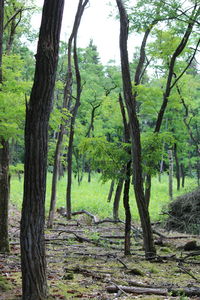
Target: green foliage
{"points": [[109, 157], [15, 169], [12, 98], [145, 13], [153, 150]]}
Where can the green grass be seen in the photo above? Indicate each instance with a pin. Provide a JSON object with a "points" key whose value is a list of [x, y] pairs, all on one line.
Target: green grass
{"points": [[93, 196]]}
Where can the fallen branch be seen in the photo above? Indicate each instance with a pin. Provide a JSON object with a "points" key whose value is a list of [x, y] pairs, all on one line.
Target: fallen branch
{"points": [[136, 290], [191, 291], [186, 271], [95, 218]]}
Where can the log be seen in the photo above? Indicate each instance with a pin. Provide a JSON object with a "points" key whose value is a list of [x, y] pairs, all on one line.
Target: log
{"points": [[186, 291], [137, 290]]}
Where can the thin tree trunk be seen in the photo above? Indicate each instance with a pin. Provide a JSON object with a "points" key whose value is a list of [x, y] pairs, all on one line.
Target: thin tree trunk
{"points": [[148, 189], [127, 241], [66, 104], [111, 191], [80, 11], [170, 154], [135, 136], [33, 260], [1, 36], [178, 179], [4, 195], [117, 199], [88, 134], [54, 182], [182, 175], [4, 162]]}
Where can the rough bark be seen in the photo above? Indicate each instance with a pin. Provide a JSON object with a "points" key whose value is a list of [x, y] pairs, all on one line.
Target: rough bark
{"points": [[33, 261], [135, 136]]}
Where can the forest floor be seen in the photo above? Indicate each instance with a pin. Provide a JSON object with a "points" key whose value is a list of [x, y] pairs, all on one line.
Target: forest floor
{"points": [[86, 261]]}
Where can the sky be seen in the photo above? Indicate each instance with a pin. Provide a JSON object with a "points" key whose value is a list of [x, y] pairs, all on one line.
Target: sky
{"points": [[96, 24]]}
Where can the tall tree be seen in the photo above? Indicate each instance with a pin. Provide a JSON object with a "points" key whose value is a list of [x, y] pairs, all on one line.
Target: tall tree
{"points": [[4, 161], [134, 135], [81, 7], [33, 261], [67, 98]]}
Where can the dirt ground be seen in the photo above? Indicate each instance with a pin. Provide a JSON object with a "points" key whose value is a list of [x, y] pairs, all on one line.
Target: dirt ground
{"points": [[86, 261]]}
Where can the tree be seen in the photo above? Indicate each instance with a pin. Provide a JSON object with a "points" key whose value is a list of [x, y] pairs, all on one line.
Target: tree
{"points": [[82, 5], [130, 100], [4, 161], [67, 99], [33, 262]]}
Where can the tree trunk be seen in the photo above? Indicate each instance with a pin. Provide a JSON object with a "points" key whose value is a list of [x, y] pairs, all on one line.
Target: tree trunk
{"points": [[117, 199], [182, 175], [33, 261], [1, 36], [178, 177], [4, 162], [66, 104], [54, 180], [4, 195], [127, 241], [111, 191], [170, 154], [135, 136], [80, 10], [148, 189]]}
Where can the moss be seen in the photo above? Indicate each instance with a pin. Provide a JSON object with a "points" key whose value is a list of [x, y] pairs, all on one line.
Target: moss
{"points": [[4, 284], [165, 250]]}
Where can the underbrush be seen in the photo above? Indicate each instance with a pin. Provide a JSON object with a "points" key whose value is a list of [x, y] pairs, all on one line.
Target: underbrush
{"points": [[93, 196]]}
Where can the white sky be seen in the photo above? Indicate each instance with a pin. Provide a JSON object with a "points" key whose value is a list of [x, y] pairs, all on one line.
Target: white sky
{"points": [[96, 24]]}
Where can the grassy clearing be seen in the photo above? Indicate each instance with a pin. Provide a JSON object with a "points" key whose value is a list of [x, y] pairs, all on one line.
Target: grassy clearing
{"points": [[93, 196]]}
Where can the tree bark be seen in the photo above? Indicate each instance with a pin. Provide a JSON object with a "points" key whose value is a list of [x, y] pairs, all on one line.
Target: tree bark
{"points": [[170, 154], [135, 136], [178, 177], [1, 36], [33, 261], [4, 195], [182, 175], [111, 191], [148, 189], [117, 199]]}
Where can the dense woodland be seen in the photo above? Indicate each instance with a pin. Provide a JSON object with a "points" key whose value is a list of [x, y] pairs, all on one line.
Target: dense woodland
{"points": [[64, 113]]}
